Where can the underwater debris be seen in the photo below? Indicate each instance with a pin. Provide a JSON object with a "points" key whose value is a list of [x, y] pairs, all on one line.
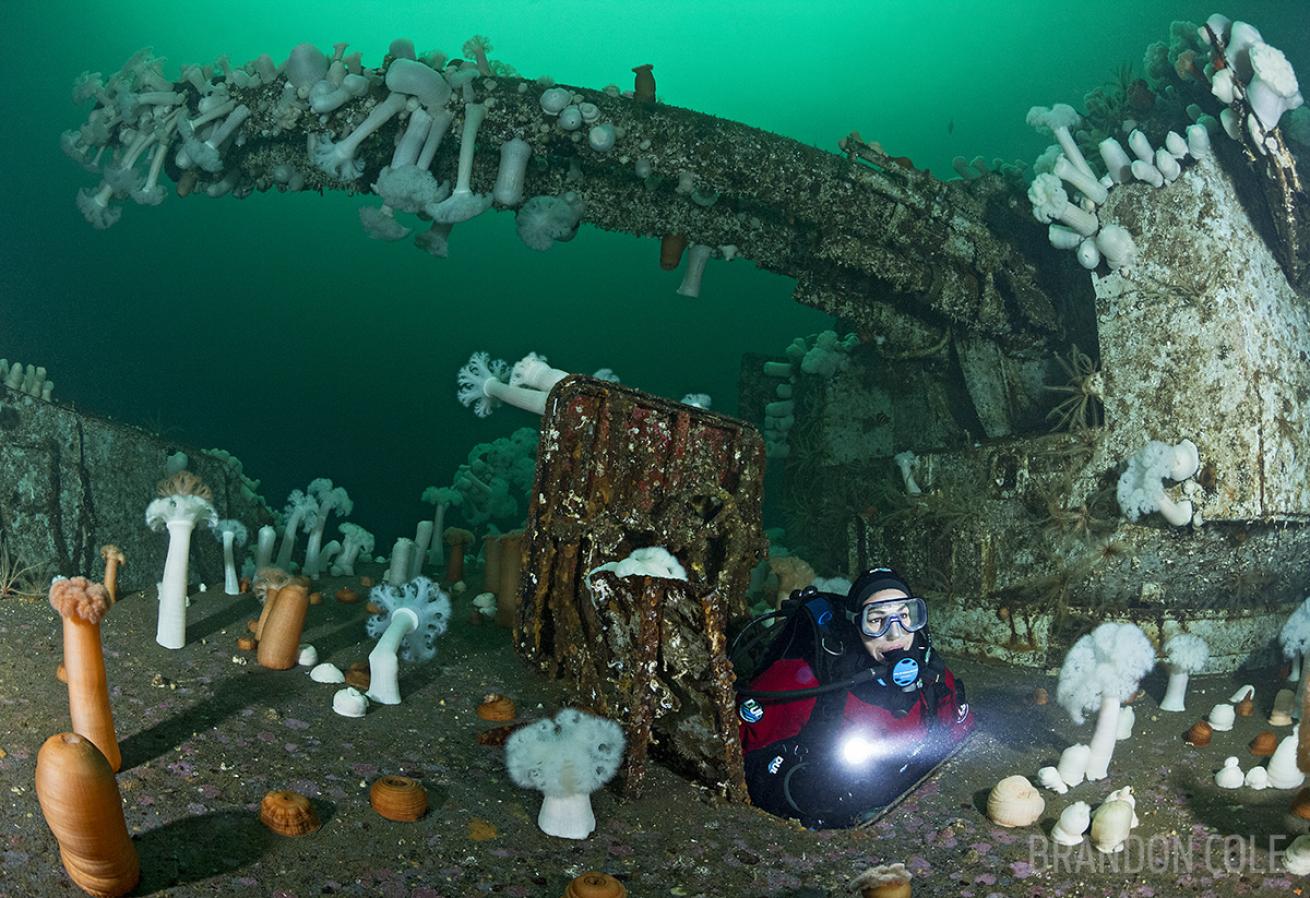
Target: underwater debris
{"points": [[684, 479], [249, 126]]}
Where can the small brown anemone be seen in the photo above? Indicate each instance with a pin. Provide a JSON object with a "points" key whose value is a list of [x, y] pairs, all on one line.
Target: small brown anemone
{"points": [[496, 707], [359, 676], [1040, 696], [1301, 804], [1245, 708], [252, 625], [316, 598], [1264, 744], [1199, 734], [643, 88], [884, 881], [595, 885], [347, 596], [366, 582], [671, 247], [793, 573], [288, 813], [246, 643], [399, 798]]}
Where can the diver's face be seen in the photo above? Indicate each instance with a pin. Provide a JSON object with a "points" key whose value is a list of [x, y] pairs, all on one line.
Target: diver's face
{"points": [[896, 638]]}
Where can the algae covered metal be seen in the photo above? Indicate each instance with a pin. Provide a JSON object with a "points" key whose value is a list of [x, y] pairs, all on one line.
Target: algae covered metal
{"points": [[619, 470]]}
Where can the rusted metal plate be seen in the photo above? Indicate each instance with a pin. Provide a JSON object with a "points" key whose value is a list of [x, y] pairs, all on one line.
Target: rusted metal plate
{"points": [[619, 470]]}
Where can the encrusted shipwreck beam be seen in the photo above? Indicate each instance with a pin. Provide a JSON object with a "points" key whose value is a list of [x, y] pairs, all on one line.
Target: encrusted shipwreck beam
{"points": [[870, 243]]}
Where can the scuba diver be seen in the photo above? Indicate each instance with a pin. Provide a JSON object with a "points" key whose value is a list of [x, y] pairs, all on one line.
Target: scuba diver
{"points": [[851, 705]]}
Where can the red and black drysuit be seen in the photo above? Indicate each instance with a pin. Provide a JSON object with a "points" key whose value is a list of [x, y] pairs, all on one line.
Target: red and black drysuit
{"points": [[796, 765]]}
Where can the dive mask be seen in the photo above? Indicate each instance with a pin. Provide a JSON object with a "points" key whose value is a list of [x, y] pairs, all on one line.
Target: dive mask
{"points": [[876, 619]]}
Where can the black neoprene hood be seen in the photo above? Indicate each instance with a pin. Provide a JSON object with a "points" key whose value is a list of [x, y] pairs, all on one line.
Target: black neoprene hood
{"points": [[873, 581]]}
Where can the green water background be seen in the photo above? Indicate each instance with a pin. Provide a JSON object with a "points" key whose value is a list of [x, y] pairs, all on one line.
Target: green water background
{"points": [[274, 328]]}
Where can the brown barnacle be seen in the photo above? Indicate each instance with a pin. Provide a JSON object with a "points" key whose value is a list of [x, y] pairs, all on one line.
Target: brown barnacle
{"points": [[288, 813]]}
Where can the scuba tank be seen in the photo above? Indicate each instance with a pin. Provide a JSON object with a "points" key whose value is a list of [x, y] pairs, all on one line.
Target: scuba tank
{"points": [[813, 630]]}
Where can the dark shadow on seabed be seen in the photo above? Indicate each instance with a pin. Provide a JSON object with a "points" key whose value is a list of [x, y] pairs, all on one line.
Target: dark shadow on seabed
{"points": [[196, 848], [340, 639], [239, 607], [229, 697]]}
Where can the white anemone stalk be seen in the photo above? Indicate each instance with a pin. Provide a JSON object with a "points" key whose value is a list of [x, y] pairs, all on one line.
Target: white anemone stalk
{"points": [[264, 547], [407, 627], [358, 541], [233, 535], [1101, 670], [442, 497], [299, 507], [567, 759], [180, 514], [330, 499], [1185, 654], [482, 386]]}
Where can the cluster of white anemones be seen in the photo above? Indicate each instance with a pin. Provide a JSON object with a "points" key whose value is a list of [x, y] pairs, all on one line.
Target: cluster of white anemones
{"points": [[1254, 76]]}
